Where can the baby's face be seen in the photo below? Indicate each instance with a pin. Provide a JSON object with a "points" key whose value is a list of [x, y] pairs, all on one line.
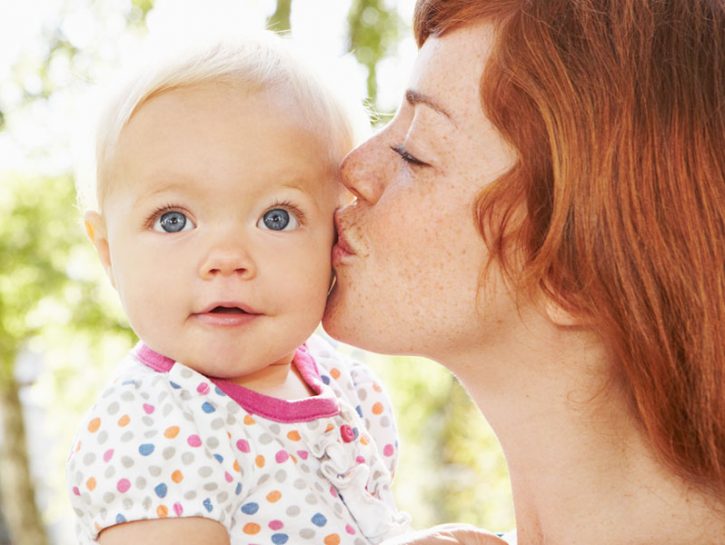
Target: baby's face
{"points": [[219, 224]]}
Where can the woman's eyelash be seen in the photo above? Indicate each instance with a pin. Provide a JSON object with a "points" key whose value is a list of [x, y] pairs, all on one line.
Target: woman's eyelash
{"points": [[406, 156]]}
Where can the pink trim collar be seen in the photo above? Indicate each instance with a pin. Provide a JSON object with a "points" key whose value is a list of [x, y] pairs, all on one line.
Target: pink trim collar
{"points": [[321, 405]]}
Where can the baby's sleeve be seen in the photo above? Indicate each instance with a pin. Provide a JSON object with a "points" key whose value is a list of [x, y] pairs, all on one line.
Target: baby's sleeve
{"points": [[149, 449], [360, 385]]}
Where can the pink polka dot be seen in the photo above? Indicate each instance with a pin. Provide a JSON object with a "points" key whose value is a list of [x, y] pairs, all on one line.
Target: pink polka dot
{"points": [[123, 486], [194, 441], [76, 491], [281, 456], [108, 455], [148, 409], [243, 445], [350, 530], [333, 491], [178, 509], [276, 525], [360, 459], [302, 454], [388, 450], [228, 477], [203, 388]]}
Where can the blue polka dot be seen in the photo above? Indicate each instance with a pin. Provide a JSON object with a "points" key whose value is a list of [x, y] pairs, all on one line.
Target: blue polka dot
{"points": [[250, 508], [359, 411], [161, 490], [325, 379], [207, 505], [279, 539], [208, 407], [174, 385], [319, 519], [146, 449], [219, 458], [219, 391], [120, 518], [239, 489]]}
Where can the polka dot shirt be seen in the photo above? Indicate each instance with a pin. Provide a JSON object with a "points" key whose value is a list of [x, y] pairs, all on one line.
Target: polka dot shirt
{"points": [[165, 441]]}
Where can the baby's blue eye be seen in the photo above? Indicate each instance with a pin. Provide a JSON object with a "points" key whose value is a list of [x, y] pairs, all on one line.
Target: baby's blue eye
{"points": [[172, 222], [278, 219]]}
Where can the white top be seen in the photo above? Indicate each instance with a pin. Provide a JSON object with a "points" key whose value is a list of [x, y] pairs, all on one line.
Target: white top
{"points": [[166, 441]]}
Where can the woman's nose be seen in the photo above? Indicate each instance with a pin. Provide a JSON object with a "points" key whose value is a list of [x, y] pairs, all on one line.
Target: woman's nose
{"points": [[363, 171]]}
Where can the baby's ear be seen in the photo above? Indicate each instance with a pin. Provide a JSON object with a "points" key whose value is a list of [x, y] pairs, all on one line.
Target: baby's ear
{"points": [[96, 230]]}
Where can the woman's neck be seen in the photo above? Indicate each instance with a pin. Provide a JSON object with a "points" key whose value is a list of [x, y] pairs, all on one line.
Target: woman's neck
{"points": [[580, 469]]}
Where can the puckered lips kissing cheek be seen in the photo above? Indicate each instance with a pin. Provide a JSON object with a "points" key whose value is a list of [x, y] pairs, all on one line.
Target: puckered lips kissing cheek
{"points": [[226, 314], [344, 250]]}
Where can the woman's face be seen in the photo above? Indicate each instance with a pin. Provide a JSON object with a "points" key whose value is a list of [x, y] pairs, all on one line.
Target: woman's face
{"points": [[410, 256]]}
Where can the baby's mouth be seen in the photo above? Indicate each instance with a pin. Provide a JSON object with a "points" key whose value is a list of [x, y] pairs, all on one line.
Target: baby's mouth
{"points": [[227, 310]]}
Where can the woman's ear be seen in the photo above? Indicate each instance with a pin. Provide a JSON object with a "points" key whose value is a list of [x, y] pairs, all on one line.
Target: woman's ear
{"points": [[96, 230], [560, 316]]}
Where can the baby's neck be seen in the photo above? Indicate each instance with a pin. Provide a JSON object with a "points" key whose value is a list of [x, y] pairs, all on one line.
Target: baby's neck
{"points": [[282, 381]]}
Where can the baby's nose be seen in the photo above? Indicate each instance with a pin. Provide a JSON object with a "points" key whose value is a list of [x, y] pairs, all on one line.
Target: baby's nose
{"points": [[227, 261]]}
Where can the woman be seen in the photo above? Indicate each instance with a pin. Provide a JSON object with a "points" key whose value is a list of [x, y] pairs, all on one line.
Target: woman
{"points": [[546, 217]]}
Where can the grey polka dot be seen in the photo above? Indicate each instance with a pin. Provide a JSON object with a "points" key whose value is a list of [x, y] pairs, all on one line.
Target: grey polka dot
{"points": [[187, 458], [211, 487], [113, 408], [362, 393], [108, 497], [185, 395], [103, 512], [231, 420], [89, 458], [163, 395], [313, 424], [148, 421], [265, 439], [377, 474], [338, 509], [190, 495], [232, 406], [146, 503], [263, 479], [167, 409], [126, 436], [150, 434], [110, 472], [293, 511], [127, 461], [300, 484], [144, 395], [385, 421], [155, 471], [280, 476], [311, 499], [318, 486], [222, 497], [79, 512], [212, 442], [205, 471], [168, 453], [359, 541], [140, 483], [217, 423], [128, 503], [304, 468], [307, 533], [186, 373], [274, 428], [128, 396], [102, 437]]}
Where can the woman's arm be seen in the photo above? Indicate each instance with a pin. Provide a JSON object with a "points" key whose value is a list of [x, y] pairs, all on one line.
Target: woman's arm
{"points": [[464, 534], [176, 531]]}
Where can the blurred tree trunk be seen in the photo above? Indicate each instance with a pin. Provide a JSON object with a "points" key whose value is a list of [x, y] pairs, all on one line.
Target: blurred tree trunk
{"points": [[279, 21], [22, 516]]}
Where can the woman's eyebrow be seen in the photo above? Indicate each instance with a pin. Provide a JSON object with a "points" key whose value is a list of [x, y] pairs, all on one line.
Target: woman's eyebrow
{"points": [[414, 97]]}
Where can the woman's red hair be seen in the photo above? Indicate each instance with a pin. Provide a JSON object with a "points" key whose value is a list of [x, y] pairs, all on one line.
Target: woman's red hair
{"points": [[617, 111]]}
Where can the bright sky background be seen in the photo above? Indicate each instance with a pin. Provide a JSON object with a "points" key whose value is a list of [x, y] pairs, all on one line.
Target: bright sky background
{"points": [[49, 137]]}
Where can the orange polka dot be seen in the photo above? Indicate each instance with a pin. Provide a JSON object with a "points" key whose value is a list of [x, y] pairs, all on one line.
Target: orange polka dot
{"points": [[364, 439], [259, 460], [248, 420], [274, 496], [294, 435], [377, 387], [332, 539], [329, 428], [94, 424], [162, 511], [335, 373], [124, 420], [177, 476], [378, 408], [236, 466], [91, 484], [171, 432], [251, 528]]}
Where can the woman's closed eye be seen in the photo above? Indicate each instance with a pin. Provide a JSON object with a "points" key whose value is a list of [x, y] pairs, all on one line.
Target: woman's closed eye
{"points": [[407, 156], [170, 220], [281, 217]]}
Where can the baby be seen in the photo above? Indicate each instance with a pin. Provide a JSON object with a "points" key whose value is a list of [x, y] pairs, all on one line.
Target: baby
{"points": [[228, 423]]}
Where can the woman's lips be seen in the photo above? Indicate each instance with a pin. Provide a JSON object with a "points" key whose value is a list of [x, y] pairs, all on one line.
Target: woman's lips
{"points": [[341, 250]]}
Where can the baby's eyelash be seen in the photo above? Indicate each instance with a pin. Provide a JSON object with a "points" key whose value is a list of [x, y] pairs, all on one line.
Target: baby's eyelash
{"points": [[162, 210], [290, 207]]}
